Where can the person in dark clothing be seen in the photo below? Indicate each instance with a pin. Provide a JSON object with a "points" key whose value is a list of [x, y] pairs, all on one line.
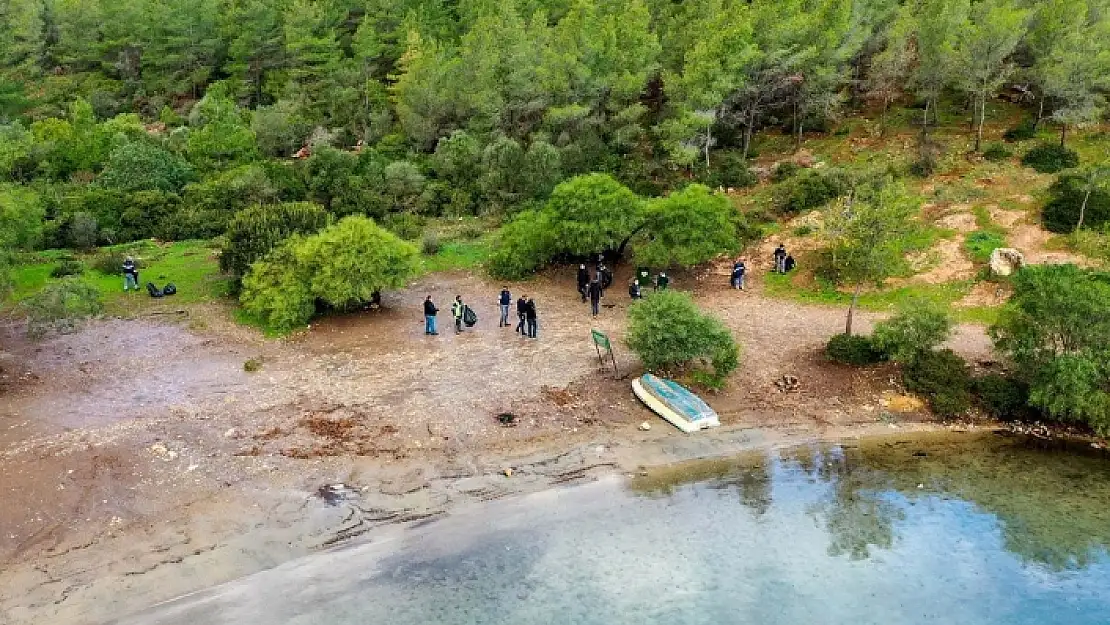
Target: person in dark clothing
{"points": [[521, 313], [738, 271], [530, 317], [788, 264], [595, 292], [604, 276], [130, 274], [504, 301], [457, 309], [583, 281], [780, 258], [634, 290], [662, 282], [430, 312]]}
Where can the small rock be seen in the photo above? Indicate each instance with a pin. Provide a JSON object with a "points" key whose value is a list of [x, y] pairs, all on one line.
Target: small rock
{"points": [[233, 433], [1005, 261], [508, 472], [645, 426]]}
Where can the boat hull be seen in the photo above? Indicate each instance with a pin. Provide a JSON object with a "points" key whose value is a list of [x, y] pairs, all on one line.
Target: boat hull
{"points": [[674, 403]]}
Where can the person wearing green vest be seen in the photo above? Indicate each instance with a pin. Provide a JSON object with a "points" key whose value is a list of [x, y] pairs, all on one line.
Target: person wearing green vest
{"points": [[662, 281], [457, 309]]}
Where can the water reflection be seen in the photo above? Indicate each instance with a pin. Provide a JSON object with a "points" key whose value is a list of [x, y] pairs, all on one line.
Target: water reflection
{"points": [[1051, 499]]}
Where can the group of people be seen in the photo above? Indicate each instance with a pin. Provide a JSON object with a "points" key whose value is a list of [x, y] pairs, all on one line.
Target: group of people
{"points": [[525, 310], [635, 288], [784, 263], [592, 288]]}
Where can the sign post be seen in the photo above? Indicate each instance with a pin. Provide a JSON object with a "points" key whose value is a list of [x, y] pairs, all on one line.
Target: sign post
{"points": [[601, 341]]}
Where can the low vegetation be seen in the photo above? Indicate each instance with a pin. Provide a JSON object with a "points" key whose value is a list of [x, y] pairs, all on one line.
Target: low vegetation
{"points": [[669, 333]]}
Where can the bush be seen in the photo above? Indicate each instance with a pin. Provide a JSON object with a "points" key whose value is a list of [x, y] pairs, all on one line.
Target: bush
{"points": [[981, 243], [667, 331], [1050, 158], [784, 170], [1061, 214], [405, 225], [917, 329], [808, 189], [252, 233], [942, 379], [67, 267], [1001, 396], [83, 231], [997, 152], [728, 170], [430, 245], [141, 166], [522, 246], [1027, 129], [342, 266], [852, 349], [110, 263], [60, 306]]}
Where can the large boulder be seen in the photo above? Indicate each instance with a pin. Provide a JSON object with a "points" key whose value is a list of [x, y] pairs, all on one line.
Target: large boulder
{"points": [[1005, 261]]}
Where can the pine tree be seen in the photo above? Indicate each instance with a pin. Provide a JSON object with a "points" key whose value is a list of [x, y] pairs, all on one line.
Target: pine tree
{"points": [[987, 40]]}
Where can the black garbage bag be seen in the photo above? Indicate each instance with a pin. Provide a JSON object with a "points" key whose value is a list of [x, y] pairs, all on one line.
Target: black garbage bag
{"points": [[169, 289], [153, 290], [469, 318]]}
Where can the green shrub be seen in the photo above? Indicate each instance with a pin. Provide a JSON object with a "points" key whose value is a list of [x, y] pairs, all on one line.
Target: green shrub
{"points": [[67, 267], [1050, 158], [728, 170], [1061, 214], [252, 365], [808, 189], [981, 243], [522, 246], [344, 265], [110, 263], [142, 166], [405, 225], [852, 349], [83, 231], [668, 332], [430, 244], [1027, 129], [254, 232], [917, 329], [942, 379], [1001, 396], [784, 170], [997, 152], [60, 306]]}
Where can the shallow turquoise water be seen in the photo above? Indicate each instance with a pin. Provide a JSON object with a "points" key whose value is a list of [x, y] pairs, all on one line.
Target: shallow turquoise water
{"points": [[985, 530]]}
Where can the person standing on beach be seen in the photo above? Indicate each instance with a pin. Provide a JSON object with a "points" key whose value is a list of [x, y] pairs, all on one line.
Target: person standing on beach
{"points": [[530, 316], [583, 281], [634, 290], [130, 274], [505, 301], [457, 309], [521, 313], [595, 292], [430, 312], [738, 271]]}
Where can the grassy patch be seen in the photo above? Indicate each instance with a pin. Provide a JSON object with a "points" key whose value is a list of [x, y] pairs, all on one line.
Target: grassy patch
{"points": [[191, 265], [826, 293], [456, 255], [981, 243]]}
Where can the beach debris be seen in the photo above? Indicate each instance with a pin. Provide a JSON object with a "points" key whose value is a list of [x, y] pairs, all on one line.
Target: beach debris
{"points": [[506, 419], [233, 433], [645, 426], [787, 383], [508, 471], [335, 494]]}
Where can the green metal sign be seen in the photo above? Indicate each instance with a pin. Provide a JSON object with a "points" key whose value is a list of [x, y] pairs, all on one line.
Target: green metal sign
{"points": [[601, 341]]}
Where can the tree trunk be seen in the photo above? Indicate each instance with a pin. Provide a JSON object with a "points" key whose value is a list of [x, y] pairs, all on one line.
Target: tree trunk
{"points": [[797, 125], [1063, 135], [1040, 114], [1083, 210], [882, 118], [982, 114], [852, 309], [748, 133], [925, 122], [708, 140]]}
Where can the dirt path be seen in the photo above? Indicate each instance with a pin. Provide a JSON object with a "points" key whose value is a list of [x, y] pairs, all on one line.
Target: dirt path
{"points": [[138, 460]]}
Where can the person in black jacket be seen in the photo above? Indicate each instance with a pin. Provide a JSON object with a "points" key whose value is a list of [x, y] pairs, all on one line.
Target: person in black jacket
{"points": [[595, 293], [634, 290], [530, 316], [130, 274], [430, 312], [583, 281], [505, 301], [521, 313]]}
